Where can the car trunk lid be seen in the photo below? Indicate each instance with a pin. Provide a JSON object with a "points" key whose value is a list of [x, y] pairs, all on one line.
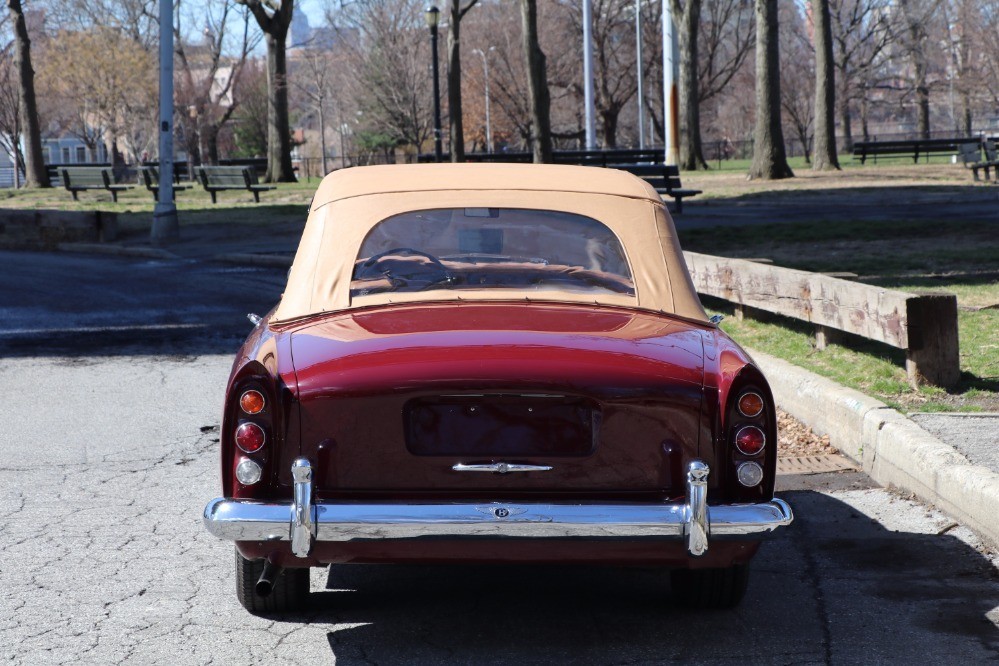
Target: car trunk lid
{"points": [[412, 398]]}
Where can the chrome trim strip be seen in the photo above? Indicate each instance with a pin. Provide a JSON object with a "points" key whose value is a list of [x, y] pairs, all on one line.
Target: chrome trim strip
{"points": [[302, 522], [501, 468], [303, 512], [696, 512]]}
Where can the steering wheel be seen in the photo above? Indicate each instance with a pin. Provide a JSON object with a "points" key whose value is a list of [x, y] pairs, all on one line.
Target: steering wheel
{"points": [[403, 251]]}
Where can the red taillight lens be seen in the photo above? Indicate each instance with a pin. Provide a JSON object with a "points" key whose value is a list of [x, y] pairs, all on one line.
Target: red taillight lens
{"points": [[750, 404], [250, 437], [750, 440], [252, 402]]}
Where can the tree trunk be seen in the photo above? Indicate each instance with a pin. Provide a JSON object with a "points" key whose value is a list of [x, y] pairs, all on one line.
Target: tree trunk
{"points": [[825, 157], [457, 129], [608, 129], [537, 84], [279, 169], [769, 158], [35, 174], [212, 143], [691, 151]]}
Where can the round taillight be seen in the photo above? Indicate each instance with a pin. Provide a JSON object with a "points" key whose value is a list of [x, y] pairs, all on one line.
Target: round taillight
{"points": [[248, 472], [750, 474], [250, 437], [252, 402], [750, 404], [750, 440]]}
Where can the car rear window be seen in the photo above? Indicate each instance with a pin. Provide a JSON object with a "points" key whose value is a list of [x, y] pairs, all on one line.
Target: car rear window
{"points": [[491, 248]]}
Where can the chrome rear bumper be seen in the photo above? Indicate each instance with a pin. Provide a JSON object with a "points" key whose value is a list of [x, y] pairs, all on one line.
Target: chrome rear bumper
{"points": [[302, 522]]}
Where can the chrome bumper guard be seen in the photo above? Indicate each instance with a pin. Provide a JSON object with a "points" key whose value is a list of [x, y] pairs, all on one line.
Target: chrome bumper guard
{"points": [[303, 522]]}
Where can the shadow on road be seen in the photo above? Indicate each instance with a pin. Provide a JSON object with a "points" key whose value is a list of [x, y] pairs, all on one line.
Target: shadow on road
{"points": [[836, 588]]}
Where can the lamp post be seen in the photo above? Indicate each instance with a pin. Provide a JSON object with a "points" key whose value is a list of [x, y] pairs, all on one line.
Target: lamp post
{"points": [[485, 67], [638, 64], [165, 227], [590, 114], [432, 14]]}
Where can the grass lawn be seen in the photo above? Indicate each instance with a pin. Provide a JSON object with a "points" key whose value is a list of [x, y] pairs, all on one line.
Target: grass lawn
{"points": [[945, 255], [135, 207]]}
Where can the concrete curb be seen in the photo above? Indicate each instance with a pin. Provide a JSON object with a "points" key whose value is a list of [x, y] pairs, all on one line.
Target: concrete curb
{"points": [[247, 259], [117, 250], [892, 449]]}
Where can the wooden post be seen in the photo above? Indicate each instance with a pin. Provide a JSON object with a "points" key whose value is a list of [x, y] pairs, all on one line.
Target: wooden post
{"points": [[825, 337], [933, 355]]}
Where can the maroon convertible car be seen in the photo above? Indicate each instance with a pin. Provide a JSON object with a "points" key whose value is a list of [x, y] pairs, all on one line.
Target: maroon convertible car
{"points": [[493, 363]]}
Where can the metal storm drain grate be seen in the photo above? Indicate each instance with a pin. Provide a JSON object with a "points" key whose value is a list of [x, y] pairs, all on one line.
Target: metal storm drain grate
{"points": [[815, 464]]}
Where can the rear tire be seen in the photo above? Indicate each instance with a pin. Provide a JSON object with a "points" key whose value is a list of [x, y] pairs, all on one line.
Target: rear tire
{"points": [[710, 588], [289, 595]]}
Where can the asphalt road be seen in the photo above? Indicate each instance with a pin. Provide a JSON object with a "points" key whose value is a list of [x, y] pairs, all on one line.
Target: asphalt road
{"points": [[70, 304], [109, 453]]}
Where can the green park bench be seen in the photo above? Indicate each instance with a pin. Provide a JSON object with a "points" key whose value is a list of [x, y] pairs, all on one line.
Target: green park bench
{"points": [[904, 148], [79, 179], [218, 178], [665, 178], [151, 179]]}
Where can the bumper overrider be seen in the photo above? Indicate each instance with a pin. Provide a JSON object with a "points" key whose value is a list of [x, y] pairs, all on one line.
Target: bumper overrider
{"points": [[304, 521]]}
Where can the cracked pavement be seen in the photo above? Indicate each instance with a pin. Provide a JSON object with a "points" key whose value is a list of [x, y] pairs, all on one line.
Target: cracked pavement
{"points": [[108, 454], [107, 463]]}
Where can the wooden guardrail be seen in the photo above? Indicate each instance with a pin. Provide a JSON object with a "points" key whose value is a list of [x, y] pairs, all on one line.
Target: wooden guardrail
{"points": [[924, 325]]}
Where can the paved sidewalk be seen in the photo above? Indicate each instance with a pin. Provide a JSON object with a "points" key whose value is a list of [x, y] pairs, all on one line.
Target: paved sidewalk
{"points": [[976, 436]]}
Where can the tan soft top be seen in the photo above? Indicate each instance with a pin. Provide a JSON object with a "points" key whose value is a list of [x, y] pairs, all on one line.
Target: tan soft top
{"points": [[350, 202]]}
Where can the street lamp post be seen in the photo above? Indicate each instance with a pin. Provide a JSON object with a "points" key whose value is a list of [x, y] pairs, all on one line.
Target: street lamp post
{"points": [[485, 67], [433, 15], [165, 227], [590, 114], [638, 64]]}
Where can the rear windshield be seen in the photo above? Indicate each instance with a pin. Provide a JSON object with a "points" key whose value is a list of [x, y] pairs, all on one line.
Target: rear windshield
{"points": [[486, 248]]}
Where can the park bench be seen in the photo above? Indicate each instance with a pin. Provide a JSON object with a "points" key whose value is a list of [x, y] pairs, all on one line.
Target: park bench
{"points": [[971, 158], [217, 178], [79, 179], [665, 178], [913, 147], [991, 157], [151, 179]]}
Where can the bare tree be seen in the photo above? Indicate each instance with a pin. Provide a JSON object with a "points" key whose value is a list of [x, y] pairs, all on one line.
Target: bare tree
{"points": [[537, 84], [34, 164], [797, 76], [387, 57], [316, 83], [769, 158], [209, 74], [457, 11], [10, 108], [825, 90], [861, 35], [274, 19], [917, 15], [689, 13]]}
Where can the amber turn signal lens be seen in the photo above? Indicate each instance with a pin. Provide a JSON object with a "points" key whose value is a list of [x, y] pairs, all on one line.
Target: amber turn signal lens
{"points": [[750, 440], [252, 402], [750, 404], [250, 437]]}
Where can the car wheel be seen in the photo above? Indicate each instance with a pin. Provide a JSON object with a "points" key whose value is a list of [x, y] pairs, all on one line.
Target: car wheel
{"points": [[289, 594], [710, 588]]}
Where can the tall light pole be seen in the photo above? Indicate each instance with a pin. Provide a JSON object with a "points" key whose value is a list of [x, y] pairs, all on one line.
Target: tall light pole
{"points": [[432, 14], [671, 109], [165, 226], [591, 126], [638, 66], [485, 69]]}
